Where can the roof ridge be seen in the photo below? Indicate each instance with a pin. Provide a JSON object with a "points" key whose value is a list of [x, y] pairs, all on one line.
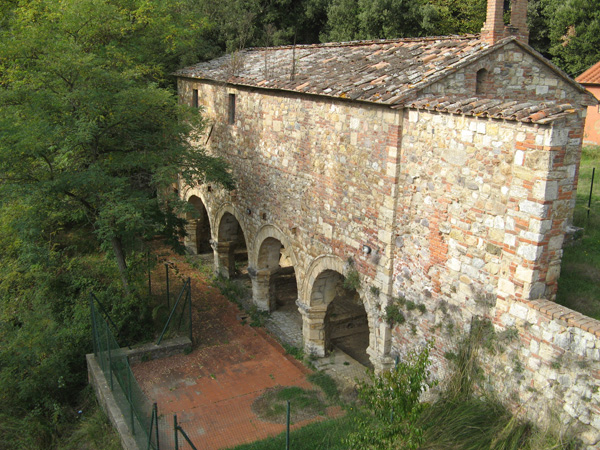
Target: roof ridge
{"points": [[367, 42]]}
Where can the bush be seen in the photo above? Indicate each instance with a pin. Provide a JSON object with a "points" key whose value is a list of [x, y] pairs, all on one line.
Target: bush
{"points": [[390, 402]]}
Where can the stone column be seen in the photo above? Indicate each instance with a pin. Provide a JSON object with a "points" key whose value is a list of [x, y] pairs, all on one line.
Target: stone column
{"points": [[225, 260], [261, 282], [313, 328], [190, 239], [380, 341]]}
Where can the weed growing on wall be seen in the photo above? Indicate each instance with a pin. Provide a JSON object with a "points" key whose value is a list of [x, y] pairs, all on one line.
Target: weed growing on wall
{"points": [[390, 402]]}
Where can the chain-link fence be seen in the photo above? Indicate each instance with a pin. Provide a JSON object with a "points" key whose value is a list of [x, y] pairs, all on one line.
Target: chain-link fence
{"points": [[141, 416]]}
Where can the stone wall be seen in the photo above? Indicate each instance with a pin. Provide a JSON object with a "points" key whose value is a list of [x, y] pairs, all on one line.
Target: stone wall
{"points": [[322, 179], [513, 74], [481, 218], [465, 216]]}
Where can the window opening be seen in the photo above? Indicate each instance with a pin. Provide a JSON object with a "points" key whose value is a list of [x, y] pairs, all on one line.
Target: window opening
{"points": [[481, 81], [195, 98], [231, 109]]}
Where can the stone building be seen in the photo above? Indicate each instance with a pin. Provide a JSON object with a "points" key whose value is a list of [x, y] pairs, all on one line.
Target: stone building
{"points": [[590, 79], [432, 175]]}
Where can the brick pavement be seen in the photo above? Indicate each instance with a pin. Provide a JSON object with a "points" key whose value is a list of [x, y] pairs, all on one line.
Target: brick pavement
{"points": [[212, 389]]}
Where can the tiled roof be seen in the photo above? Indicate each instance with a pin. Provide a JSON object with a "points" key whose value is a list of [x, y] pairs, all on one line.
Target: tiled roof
{"points": [[374, 71], [389, 72], [590, 76], [541, 113]]}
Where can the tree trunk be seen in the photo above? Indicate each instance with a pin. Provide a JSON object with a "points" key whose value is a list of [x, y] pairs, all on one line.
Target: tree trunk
{"points": [[118, 251]]}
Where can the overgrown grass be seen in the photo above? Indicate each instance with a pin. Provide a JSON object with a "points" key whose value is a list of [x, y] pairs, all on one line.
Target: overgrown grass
{"points": [[579, 283], [325, 435], [327, 385]]}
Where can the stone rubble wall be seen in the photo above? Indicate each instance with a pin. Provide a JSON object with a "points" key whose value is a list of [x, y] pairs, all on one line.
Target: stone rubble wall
{"points": [[482, 213], [466, 216], [513, 74]]}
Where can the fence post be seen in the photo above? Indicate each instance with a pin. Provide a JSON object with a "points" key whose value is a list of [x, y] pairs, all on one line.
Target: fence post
{"points": [[590, 197], [109, 356], [94, 330], [175, 430], [129, 398], [149, 274], [287, 433], [167, 274], [155, 408], [190, 308]]}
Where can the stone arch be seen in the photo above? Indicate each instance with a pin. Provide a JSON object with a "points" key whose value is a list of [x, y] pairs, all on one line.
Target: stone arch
{"points": [[229, 241], [273, 272], [333, 314], [198, 227]]}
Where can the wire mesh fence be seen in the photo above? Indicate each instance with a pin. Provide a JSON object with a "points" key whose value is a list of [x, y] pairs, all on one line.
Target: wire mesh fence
{"points": [[140, 415]]}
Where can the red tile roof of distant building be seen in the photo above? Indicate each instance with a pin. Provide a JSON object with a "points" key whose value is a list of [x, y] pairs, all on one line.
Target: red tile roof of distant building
{"points": [[590, 76]]}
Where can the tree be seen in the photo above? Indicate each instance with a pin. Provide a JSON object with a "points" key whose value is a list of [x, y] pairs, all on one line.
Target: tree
{"points": [[86, 122], [574, 33], [379, 19]]}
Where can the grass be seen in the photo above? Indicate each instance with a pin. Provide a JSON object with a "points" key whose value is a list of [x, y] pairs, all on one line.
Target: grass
{"points": [[272, 405], [325, 435], [579, 283]]}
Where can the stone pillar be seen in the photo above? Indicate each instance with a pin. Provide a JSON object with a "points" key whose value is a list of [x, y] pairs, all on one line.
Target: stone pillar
{"points": [[380, 341], [224, 259], [313, 328], [261, 283], [190, 241]]}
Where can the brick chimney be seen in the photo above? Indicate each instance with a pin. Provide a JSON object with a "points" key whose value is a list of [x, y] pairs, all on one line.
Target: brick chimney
{"points": [[494, 29]]}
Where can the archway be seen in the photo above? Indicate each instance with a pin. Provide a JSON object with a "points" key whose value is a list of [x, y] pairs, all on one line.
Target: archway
{"points": [[232, 252], [197, 239], [338, 318], [274, 284]]}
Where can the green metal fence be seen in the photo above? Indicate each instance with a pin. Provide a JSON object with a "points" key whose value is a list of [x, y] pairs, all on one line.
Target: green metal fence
{"points": [[180, 316], [140, 415]]}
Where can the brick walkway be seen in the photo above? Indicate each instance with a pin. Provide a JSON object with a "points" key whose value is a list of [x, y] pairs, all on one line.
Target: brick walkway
{"points": [[212, 389]]}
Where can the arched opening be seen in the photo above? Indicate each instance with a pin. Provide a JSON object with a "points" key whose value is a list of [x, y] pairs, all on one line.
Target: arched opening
{"points": [[274, 289], [231, 248], [481, 82], [197, 239], [345, 322]]}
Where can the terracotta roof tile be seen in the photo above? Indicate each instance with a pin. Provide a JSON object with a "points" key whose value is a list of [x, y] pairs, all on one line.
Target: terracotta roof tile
{"points": [[367, 71], [389, 72], [590, 76], [541, 113]]}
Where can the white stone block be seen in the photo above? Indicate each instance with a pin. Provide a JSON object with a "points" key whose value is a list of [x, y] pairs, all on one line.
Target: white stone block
{"points": [[519, 157], [529, 252], [454, 264], [413, 116], [506, 287], [519, 310], [525, 274], [533, 208]]}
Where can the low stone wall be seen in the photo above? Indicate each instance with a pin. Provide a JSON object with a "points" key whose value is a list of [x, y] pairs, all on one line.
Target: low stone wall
{"points": [[553, 367], [542, 361], [106, 397]]}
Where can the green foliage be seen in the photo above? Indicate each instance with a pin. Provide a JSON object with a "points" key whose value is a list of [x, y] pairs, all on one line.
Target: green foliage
{"points": [[379, 19], [327, 384], [86, 128], [392, 398], [574, 33], [578, 285], [393, 315], [296, 352], [351, 280]]}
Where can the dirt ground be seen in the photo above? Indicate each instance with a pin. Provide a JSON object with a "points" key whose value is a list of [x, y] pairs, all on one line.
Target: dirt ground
{"points": [[212, 389]]}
